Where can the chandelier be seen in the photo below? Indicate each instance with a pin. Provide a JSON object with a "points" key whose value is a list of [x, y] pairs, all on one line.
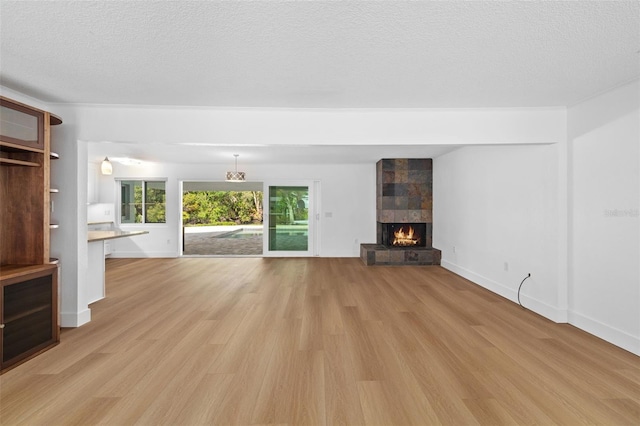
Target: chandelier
{"points": [[235, 176]]}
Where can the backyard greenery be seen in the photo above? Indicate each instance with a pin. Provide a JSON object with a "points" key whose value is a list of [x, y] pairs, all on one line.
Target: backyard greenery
{"points": [[289, 205], [221, 207], [143, 201]]}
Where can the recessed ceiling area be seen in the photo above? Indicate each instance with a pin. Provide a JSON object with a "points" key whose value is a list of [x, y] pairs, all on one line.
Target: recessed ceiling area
{"points": [[319, 54], [273, 154]]}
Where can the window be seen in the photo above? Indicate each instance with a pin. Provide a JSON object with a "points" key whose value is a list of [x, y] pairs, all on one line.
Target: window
{"points": [[142, 201]]}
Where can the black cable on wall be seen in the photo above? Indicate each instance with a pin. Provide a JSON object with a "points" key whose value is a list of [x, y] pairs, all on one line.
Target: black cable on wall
{"points": [[528, 275]]}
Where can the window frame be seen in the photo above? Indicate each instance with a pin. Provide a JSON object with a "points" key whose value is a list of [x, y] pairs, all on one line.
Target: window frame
{"points": [[143, 182]]}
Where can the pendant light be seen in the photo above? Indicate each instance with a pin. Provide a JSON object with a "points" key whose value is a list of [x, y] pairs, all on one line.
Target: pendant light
{"points": [[235, 176], [106, 168]]}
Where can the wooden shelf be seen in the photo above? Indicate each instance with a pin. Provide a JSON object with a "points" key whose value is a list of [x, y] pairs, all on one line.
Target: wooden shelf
{"points": [[29, 291], [23, 314], [8, 272], [54, 120], [12, 162], [12, 147]]}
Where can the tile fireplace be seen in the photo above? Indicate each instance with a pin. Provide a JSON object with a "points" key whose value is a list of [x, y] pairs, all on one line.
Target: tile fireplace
{"points": [[404, 202]]}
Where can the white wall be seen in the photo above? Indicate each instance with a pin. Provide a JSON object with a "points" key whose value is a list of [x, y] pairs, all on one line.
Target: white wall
{"points": [[347, 192], [604, 244], [69, 241], [568, 213], [497, 206]]}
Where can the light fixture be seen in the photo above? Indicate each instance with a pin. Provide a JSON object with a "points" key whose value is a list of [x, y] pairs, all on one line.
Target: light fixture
{"points": [[106, 167], [235, 176], [127, 161]]}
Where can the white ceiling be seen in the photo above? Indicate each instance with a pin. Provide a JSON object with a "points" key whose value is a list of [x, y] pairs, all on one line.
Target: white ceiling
{"points": [[316, 54], [326, 54]]}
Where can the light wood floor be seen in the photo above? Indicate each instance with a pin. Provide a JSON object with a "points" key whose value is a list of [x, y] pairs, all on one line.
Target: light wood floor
{"points": [[316, 341]]}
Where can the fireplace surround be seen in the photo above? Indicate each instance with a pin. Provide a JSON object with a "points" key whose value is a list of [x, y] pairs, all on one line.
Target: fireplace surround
{"points": [[404, 199]]}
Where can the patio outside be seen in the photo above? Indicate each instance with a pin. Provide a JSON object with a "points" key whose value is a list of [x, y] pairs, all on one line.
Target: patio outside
{"points": [[240, 240]]}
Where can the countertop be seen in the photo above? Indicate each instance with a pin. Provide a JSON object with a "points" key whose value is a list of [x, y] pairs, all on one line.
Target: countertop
{"points": [[109, 235]]}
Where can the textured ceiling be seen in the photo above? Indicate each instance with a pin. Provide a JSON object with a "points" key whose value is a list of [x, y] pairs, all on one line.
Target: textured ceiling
{"points": [[319, 54]]}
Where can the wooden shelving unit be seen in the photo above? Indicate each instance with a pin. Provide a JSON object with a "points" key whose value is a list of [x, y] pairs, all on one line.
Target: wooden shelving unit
{"points": [[29, 321], [13, 162]]}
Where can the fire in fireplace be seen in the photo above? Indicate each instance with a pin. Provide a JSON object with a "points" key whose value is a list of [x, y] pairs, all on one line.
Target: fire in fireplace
{"points": [[404, 234]]}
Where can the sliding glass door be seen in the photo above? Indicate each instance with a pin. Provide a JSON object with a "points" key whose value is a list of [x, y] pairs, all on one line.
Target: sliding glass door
{"points": [[290, 219]]}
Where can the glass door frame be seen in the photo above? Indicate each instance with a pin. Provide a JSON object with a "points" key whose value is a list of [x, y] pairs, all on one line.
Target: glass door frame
{"points": [[313, 237]]}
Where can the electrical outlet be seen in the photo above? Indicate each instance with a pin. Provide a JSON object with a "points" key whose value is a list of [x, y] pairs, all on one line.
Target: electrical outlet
{"points": [[454, 249], [506, 266]]}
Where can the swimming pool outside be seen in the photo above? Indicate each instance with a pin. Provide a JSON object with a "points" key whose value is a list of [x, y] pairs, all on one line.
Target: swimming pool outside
{"points": [[240, 240]]}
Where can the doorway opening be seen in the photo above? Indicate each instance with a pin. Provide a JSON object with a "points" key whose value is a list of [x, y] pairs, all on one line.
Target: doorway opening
{"points": [[222, 218]]}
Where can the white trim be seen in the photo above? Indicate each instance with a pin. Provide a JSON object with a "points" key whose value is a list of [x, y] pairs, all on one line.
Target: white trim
{"points": [[605, 332], [75, 319], [138, 255], [142, 179], [535, 305]]}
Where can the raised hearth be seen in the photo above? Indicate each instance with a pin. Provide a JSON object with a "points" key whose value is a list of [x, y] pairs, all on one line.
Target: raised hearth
{"points": [[378, 254]]}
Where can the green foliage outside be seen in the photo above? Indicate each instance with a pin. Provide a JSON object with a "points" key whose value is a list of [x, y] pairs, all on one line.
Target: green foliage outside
{"points": [[221, 207], [154, 203], [290, 205]]}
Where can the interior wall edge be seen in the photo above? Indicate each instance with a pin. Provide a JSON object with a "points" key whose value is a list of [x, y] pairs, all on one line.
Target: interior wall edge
{"points": [[550, 312]]}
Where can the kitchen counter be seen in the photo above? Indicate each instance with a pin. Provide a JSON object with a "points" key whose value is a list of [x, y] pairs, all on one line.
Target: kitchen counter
{"points": [[95, 275], [111, 234]]}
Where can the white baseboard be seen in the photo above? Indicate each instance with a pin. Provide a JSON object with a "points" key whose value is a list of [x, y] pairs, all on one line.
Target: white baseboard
{"points": [[139, 255], [75, 319], [610, 334], [591, 326], [535, 305]]}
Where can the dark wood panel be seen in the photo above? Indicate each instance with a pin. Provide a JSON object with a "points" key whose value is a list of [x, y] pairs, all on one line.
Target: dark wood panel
{"points": [[22, 213], [29, 312]]}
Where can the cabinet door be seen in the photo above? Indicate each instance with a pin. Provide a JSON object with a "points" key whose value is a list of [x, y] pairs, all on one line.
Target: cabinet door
{"points": [[29, 316], [21, 125]]}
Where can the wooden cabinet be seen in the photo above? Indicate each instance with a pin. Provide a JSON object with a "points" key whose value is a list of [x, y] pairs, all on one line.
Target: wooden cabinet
{"points": [[21, 125], [29, 316], [25, 160]]}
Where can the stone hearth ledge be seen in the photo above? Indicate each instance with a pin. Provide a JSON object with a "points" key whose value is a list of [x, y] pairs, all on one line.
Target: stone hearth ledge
{"points": [[378, 254]]}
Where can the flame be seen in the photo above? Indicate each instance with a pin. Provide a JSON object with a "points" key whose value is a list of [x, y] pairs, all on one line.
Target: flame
{"points": [[402, 239]]}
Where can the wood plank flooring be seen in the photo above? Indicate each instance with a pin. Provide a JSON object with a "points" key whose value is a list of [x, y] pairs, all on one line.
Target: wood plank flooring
{"points": [[256, 341]]}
